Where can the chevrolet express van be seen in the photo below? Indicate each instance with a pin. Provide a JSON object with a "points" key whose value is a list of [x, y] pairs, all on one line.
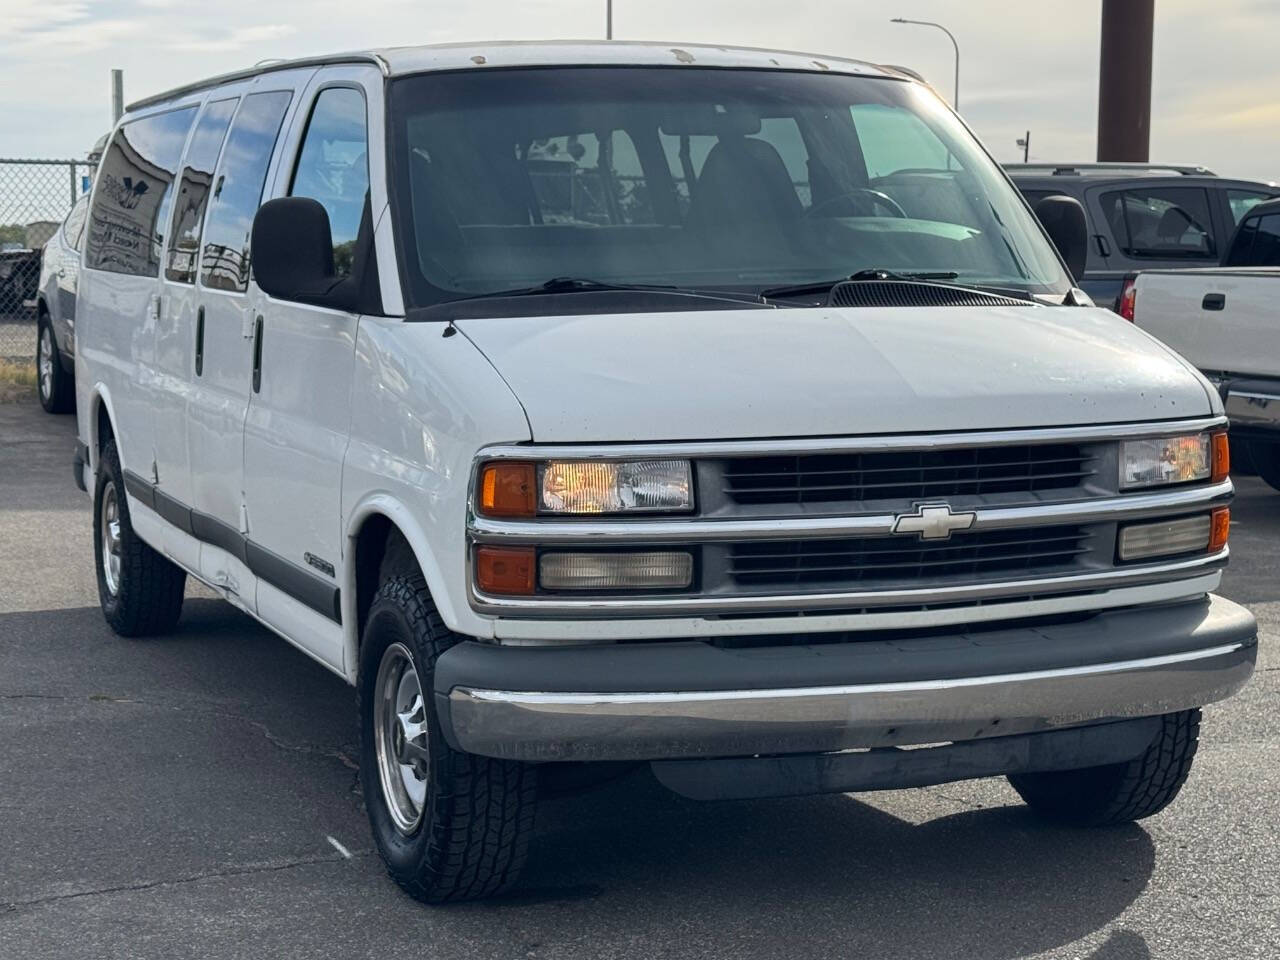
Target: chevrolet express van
{"points": [[719, 410]]}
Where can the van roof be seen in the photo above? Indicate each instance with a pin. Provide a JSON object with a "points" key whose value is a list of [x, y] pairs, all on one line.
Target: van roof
{"points": [[397, 61]]}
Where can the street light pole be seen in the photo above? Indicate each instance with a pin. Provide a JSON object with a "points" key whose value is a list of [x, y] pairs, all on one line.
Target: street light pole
{"points": [[608, 19], [955, 95]]}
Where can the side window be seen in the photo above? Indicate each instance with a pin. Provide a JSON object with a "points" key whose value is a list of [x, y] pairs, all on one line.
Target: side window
{"points": [[581, 178], [73, 227], [193, 193], [1161, 222], [333, 167], [1242, 201], [134, 193], [1241, 252], [894, 139], [237, 190], [1266, 247]]}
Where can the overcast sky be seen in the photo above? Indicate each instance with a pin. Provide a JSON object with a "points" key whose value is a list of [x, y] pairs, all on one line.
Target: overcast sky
{"points": [[1031, 64]]}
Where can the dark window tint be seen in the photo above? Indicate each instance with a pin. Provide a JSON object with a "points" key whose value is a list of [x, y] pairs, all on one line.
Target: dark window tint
{"points": [[1242, 201], [1162, 222], [134, 192], [333, 167], [1257, 243], [193, 193], [73, 228], [237, 190]]}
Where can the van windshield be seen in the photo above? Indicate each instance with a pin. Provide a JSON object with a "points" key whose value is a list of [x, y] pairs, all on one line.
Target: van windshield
{"points": [[732, 181]]}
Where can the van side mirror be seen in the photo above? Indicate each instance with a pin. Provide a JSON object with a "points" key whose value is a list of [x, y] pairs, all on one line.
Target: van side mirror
{"points": [[1064, 220], [292, 254]]}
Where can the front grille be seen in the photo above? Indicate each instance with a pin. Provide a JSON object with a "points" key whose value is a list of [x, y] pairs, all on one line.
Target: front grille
{"points": [[883, 562], [908, 476]]}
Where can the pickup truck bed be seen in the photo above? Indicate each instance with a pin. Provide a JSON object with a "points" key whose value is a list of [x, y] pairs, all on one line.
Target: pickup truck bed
{"points": [[1225, 322]]}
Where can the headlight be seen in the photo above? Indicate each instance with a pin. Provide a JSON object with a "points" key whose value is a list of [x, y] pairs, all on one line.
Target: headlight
{"points": [[1170, 460], [513, 488], [598, 486]]}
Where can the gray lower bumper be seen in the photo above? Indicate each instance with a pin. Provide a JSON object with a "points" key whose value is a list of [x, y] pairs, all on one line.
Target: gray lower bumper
{"points": [[672, 700]]}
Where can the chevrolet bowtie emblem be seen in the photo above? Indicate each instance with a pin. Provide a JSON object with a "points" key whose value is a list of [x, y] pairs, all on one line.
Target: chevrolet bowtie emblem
{"points": [[933, 521]]}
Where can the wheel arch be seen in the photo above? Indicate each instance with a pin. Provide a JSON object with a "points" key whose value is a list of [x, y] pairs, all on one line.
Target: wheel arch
{"points": [[101, 423], [374, 521]]}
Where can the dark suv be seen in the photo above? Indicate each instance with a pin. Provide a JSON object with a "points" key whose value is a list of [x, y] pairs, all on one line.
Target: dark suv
{"points": [[1145, 216]]}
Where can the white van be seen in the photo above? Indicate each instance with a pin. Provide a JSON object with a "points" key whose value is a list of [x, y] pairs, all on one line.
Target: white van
{"points": [[722, 410]]}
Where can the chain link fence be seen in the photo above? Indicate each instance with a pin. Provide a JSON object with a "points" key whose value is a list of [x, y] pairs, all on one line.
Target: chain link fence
{"points": [[35, 197]]}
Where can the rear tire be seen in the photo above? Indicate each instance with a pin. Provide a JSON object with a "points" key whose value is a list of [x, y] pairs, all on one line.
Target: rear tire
{"points": [[449, 825], [1119, 792], [1266, 460], [54, 386], [140, 590]]}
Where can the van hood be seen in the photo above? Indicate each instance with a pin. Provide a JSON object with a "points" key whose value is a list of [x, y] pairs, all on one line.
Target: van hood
{"points": [[730, 374]]}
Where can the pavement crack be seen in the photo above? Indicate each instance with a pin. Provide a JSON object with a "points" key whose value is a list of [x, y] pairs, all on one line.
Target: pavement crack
{"points": [[240, 871]]}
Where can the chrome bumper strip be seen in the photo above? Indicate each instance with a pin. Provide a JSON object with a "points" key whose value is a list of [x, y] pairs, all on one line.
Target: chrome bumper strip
{"points": [[565, 532], [853, 600], [639, 726]]}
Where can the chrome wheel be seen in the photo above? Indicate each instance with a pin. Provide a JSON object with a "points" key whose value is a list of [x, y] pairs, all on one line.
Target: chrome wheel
{"points": [[109, 520], [400, 725], [45, 363]]}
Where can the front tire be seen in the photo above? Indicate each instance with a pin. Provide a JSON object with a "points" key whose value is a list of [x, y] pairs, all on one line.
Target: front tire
{"points": [[1119, 792], [54, 386], [449, 825], [140, 590]]}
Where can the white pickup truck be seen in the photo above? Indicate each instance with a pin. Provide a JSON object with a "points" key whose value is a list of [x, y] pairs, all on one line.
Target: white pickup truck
{"points": [[1224, 321]]}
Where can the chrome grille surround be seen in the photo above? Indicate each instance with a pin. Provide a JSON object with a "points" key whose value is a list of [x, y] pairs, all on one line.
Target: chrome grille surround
{"points": [[1081, 519]]}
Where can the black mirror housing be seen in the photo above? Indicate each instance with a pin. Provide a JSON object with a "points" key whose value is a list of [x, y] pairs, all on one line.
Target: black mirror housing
{"points": [[292, 250], [1064, 220]]}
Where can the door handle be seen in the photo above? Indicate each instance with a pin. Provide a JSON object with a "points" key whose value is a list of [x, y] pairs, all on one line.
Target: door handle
{"points": [[200, 341], [1104, 248], [1213, 301], [257, 354]]}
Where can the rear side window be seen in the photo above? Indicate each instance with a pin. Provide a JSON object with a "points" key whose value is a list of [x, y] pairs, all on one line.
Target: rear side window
{"points": [[333, 167], [73, 228], [134, 193], [895, 140], [237, 190], [1162, 222], [1242, 201], [193, 193], [1257, 243]]}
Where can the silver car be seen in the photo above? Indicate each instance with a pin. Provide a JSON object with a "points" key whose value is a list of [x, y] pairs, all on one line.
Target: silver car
{"points": [[56, 312]]}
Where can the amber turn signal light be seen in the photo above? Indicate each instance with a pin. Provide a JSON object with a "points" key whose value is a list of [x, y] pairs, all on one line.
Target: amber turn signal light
{"points": [[508, 571], [507, 489], [1221, 457], [1219, 528]]}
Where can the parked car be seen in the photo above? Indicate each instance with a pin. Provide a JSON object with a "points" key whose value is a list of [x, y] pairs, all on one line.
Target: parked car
{"points": [[56, 312], [667, 478], [19, 273], [1224, 321], [1144, 216]]}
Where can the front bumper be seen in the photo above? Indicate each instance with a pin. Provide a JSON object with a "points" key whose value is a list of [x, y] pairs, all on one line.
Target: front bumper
{"points": [[1252, 406], [647, 701]]}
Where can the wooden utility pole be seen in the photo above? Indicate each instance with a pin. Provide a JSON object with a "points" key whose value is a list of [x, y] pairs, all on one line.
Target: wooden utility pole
{"points": [[1124, 80]]}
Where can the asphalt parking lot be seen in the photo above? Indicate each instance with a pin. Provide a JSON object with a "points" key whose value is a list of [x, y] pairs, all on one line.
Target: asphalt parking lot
{"points": [[194, 796]]}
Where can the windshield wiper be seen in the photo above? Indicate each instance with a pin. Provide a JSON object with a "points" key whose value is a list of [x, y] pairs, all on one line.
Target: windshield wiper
{"points": [[824, 286]]}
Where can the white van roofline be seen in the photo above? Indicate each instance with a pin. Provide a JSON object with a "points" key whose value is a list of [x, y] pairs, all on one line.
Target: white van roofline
{"points": [[399, 61]]}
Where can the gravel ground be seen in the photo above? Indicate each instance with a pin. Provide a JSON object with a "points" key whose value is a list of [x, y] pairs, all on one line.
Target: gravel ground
{"points": [[195, 796]]}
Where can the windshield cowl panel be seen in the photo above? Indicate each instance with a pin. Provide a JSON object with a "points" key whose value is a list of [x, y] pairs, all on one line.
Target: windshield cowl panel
{"points": [[720, 181]]}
